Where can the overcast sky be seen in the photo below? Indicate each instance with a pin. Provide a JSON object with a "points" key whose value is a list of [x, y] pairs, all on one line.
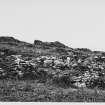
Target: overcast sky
{"points": [[77, 23]]}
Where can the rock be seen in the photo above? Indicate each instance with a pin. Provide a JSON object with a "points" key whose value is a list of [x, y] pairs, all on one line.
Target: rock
{"points": [[79, 85]]}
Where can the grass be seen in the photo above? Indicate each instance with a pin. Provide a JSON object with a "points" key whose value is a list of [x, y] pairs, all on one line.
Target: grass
{"points": [[32, 91]]}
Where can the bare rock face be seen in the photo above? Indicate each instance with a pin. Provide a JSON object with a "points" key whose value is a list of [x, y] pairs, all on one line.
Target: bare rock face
{"points": [[49, 44], [38, 42]]}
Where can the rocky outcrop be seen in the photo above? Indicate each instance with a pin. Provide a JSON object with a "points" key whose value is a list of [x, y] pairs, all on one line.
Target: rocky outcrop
{"points": [[49, 44], [51, 61]]}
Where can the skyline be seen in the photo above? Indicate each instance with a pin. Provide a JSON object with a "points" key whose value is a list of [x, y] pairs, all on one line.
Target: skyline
{"points": [[77, 24], [49, 42]]}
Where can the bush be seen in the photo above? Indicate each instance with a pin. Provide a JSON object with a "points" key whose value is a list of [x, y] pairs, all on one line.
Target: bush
{"points": [[42, 75], [63, 81], [99, 83]]}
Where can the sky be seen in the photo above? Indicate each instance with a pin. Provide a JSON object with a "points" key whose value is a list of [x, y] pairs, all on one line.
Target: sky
{"points": [[76, 23]]}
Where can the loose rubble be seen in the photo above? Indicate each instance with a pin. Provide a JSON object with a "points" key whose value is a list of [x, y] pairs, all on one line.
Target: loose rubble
{"points": [[78, 70]]}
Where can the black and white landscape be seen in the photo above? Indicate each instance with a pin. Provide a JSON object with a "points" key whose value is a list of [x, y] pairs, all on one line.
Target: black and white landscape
{"points": [[52, 51], [50, 72]]}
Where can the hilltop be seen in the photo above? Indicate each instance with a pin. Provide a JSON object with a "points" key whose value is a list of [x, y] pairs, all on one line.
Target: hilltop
{"points": [[50, 71], [40, 48]]}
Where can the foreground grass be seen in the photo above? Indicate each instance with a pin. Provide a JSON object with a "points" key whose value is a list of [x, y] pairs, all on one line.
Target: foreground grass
{"points": [[32, 91]]}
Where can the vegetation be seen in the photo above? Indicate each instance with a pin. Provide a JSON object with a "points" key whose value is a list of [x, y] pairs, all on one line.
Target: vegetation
{"points": [[50, 71], [33, 91]]}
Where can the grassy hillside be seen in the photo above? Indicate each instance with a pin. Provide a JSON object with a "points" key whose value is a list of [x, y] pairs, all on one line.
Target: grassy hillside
{"points": [[50, 71]]}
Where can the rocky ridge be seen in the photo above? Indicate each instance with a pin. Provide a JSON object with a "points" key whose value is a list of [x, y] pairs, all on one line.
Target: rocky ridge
{"points": [[44, 61]]}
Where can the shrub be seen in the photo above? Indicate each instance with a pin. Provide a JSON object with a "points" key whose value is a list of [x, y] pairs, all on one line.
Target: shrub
{"points": [[63, 81], [96, 83], [42, 75]]}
